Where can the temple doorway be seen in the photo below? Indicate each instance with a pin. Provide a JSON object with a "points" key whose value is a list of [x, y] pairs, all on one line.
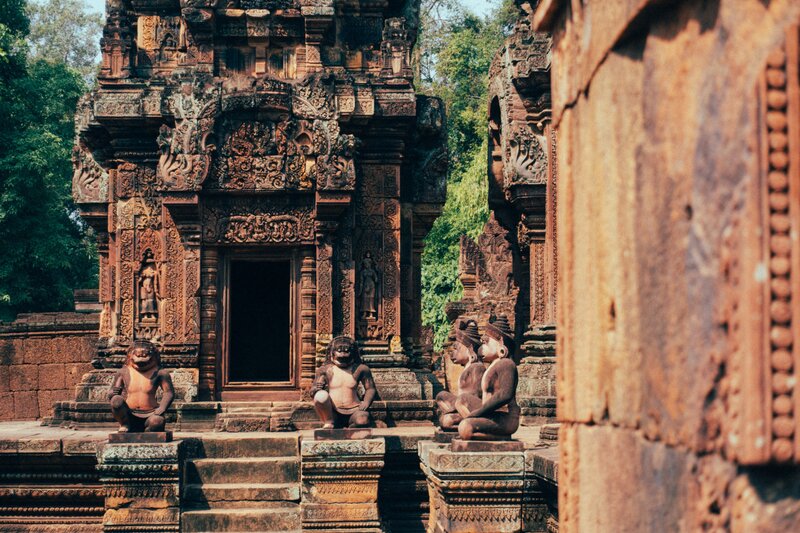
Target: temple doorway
{"points": [[259, 360]]}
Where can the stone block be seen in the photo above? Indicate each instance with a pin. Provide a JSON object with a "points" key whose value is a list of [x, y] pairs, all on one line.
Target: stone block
{"points": [[343, 434], [340, 484], [473, 491], [140, 437], [6, 406], [39, 446], [459, 445], [12, 352], [48, 398], [81, 446], [40, 350], [5, 378], [73, 372], [24, 377], [26, 405], [51, 376], [142, 485]]}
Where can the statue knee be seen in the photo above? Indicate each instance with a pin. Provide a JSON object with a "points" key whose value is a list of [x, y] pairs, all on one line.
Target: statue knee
{"points": [[155, 423], [117, 402], [465, 430], [321, 397]]}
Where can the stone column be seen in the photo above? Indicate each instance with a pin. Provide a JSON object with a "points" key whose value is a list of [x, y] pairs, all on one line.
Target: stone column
{"points": [[474, 491], [142, 486], [340, 484]]}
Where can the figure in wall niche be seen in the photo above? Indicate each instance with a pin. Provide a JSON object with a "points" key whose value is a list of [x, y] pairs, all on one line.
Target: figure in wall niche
{"points": [[336, 387], [464, 353], [133, 394], [368, 288], [494, 416], [149, 289]]}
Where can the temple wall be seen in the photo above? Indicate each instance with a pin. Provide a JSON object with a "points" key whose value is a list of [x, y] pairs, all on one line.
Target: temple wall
{"points": [[42, 358], [675, 373]]}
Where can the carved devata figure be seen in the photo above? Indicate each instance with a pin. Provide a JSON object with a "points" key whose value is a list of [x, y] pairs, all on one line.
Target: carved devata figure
{"points": [[336, 387], [464, 353], [149, 289], [368, 288], [133, 394], [495, 416]]}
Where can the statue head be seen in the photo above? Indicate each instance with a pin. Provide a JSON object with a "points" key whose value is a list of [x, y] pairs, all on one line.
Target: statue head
{"points": [[343, 352], [498, 340], [465, 349], [143, 355]]}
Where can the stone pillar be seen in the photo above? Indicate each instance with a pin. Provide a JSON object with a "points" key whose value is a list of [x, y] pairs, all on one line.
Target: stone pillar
{"points": [[473, 491], [340, 484], [142, 486]]}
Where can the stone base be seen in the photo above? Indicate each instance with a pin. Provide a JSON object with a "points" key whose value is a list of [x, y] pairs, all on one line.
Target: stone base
{"points": [[444, 437], [343, 434], [340, 484], [142, 486], [474, 492], [459, 445], [140, 437]]}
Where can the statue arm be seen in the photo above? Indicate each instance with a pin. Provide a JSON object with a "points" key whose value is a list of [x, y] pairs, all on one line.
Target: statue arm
{"points": [[320, 381], [504, 391], [117, 387], [169, 392], [370, 390]]}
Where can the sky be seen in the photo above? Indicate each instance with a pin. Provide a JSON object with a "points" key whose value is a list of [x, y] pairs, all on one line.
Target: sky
{"points": [[480, 7]]}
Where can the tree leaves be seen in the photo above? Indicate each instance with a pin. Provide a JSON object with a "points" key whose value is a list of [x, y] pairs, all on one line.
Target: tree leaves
{"points": [[46, 252], [460, 50]]}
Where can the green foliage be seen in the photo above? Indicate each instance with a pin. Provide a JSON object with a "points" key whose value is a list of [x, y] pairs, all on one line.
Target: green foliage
{"points": [[13, 29], [456, 51], [65, 31], [465, 213], [46, 252]]}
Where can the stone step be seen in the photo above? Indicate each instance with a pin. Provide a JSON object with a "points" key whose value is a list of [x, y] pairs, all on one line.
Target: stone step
{"points": [[227, 423], [240, 495], [244, 520], [249, 445], [245, 470]]}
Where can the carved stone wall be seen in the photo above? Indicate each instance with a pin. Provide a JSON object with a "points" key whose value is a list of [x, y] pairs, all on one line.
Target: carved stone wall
{"points": [[219, 131], [42, 358], [677, 251]]}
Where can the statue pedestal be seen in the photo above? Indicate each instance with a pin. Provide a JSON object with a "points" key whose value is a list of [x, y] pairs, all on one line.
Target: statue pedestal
{"points": [[142, 486], [479, 491], [340, 484], [343, 434], [140, 437]]}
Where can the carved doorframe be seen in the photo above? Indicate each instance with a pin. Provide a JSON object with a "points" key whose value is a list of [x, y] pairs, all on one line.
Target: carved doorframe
{"points": [[259, 391]]}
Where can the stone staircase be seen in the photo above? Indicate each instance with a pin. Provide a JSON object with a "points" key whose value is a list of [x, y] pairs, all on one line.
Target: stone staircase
{"points": [[236, 417], [243, 483]]}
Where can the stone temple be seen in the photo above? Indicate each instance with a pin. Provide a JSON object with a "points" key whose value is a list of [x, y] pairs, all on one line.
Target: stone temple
{"points": [[261, 176]]}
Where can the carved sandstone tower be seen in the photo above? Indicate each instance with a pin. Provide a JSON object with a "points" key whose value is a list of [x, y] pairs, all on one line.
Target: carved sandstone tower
{"points": [[260, 175]]}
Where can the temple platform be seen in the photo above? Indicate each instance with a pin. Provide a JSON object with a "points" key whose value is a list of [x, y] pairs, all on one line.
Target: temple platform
{"points": [[57, 479]]}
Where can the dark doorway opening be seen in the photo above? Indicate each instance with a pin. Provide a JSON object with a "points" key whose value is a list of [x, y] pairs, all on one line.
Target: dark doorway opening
{"points": [[260, 308]]}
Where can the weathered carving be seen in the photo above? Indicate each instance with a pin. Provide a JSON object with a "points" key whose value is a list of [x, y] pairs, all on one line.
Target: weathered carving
{"points": [[149, 289], [396, 50], [133, 394], [464, 353], [496, 413], [759, 424], [368, 288], [335, 390], [185, 155], [242, 223], [89, 180], [527, 155]]}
